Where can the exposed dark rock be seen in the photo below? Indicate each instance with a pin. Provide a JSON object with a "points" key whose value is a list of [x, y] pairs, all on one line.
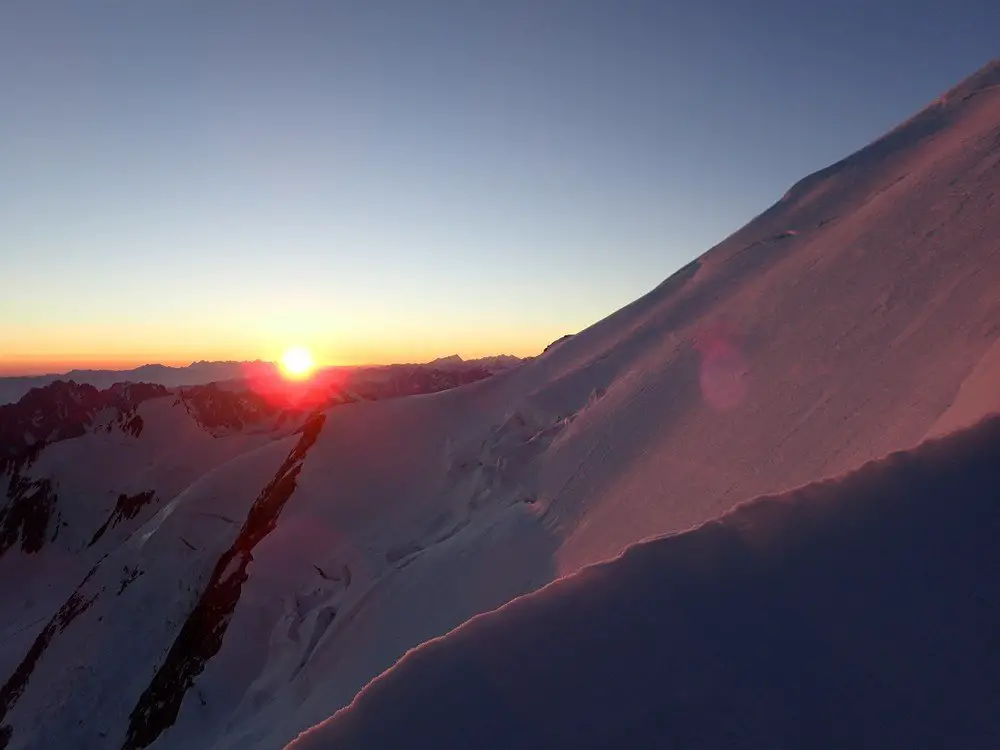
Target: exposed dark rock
{"points": [[219, 408], [61, 411], [201, 636], [133, 425], [127, 507], [14, 687], [25, 518], [129, 575]]}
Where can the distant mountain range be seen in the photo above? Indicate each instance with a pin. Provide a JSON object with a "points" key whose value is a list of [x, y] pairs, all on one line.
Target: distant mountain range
{"points": [[197, 373], [224, 566], [202, 372]]}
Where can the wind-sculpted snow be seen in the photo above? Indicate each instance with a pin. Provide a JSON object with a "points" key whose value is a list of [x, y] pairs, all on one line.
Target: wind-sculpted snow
{"points": [[853, 318], [862, 611], [834, 328]]}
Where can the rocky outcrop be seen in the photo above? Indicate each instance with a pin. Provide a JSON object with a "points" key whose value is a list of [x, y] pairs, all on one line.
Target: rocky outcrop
{"points": [[65, 410], [200, 637], [220, 409], [14, 687], [126, 508], [28, 516], [59, 411]]}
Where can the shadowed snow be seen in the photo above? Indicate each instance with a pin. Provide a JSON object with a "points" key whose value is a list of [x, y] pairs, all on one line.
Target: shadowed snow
{"points": [[863, 611]]}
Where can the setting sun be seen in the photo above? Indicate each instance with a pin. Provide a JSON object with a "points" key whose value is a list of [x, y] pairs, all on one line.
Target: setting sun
{"points": [[297, 363]]}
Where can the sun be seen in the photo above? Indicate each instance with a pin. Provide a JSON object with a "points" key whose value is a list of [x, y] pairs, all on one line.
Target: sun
{"points": [[297, 363]]}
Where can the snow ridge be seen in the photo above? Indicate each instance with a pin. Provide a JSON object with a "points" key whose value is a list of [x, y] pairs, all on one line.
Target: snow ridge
{"points": [[201, 635], [861, 611]]}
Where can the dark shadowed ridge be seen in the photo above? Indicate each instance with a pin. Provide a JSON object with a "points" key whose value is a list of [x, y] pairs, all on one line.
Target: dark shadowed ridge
{"points": [[13, 688], [200, 637], [64, 410], [861, 611], [29, 515], [197, 373]]}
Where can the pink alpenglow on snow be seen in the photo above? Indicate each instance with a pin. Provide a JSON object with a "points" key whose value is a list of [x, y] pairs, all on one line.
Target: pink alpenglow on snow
{"points": [[852, 319], [862, 611]]}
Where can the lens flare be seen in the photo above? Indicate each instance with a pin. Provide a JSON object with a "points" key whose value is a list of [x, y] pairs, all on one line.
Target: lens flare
{"points": [[297, 363]]}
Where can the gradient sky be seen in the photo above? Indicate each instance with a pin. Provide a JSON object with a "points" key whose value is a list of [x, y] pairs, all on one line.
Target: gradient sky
{"points": [[393, 181]]}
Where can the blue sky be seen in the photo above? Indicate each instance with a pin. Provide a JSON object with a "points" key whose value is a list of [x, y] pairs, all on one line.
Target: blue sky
{"points": [[399, 180]]}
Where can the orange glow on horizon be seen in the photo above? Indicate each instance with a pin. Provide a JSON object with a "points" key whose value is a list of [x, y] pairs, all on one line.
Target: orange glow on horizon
{"points": [[60, 351]]}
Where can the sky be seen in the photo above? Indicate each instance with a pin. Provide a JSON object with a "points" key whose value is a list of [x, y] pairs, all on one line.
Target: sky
{"points": [[388, 181]]}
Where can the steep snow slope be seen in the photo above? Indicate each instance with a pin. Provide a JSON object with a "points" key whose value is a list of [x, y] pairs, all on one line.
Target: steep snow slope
{"points": [[836, 327], [82, 673], [839, 325], [143, 489], [862, 611], [82, 470]]}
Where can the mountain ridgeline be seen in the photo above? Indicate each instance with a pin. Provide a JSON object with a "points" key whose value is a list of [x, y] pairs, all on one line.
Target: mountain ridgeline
{"points": [[224, 568], [862, 611]]}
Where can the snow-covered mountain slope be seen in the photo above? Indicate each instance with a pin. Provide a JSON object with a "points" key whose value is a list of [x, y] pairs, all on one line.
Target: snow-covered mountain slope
{"points": [[861, 611], [853, 318], [836, 327], [82, 470]]}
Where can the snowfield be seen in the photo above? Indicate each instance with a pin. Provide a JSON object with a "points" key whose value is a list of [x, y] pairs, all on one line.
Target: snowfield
{"points": [[280, 565], [857, 612]]}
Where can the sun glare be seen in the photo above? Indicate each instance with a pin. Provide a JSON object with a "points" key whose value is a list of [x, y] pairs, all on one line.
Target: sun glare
{"points": [[297, 363]]}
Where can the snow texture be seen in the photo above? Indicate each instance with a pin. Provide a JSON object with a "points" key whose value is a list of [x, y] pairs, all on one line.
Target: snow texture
{"points": [[853, 318], [862, 611]]}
